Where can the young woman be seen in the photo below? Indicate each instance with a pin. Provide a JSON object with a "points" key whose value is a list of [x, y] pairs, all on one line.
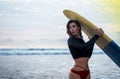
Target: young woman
{"points": [[81, 51]]}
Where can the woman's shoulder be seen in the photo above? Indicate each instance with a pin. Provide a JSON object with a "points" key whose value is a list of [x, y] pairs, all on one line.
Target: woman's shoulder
{"points": [[71, 38], [74, 40]]}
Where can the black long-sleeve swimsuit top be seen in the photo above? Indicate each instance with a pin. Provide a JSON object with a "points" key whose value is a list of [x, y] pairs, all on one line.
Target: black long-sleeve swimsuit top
{"points": [[78, 48]]}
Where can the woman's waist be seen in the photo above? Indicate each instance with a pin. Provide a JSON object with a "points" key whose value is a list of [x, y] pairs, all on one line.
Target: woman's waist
{"points": [[81, 63]]}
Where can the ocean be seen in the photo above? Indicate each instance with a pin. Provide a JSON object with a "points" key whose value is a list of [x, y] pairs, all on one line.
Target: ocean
{"points": [[36, 63]]}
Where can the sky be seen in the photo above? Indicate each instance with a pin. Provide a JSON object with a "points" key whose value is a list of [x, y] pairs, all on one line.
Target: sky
{"points": [[42, 24]]}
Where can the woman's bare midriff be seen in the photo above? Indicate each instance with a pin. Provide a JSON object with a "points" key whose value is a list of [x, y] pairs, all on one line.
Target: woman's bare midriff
{"points": [[81, 64]]}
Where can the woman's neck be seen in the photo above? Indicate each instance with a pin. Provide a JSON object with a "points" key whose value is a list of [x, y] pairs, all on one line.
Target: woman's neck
{"points": [[78, 36]]}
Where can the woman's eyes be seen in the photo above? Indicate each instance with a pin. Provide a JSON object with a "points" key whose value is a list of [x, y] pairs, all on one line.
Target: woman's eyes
{"points": [[72, 26]]}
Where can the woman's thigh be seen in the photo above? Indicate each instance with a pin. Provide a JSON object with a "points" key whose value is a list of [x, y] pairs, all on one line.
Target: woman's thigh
{"points": [[73, 76], [88, 76]]}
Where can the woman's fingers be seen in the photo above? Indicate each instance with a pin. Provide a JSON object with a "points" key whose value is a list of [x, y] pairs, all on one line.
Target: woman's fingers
{"points": [[99, 32]]}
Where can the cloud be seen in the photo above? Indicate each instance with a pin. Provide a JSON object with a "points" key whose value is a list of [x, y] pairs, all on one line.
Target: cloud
{"points": [[8, 41], [38, 23]]}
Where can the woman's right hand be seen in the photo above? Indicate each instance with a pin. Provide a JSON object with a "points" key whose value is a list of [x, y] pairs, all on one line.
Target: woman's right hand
{"points": [[99, 32]]}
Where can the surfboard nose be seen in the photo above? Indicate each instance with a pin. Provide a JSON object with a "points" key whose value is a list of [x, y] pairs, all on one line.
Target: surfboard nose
{"points": [[69, 14]]}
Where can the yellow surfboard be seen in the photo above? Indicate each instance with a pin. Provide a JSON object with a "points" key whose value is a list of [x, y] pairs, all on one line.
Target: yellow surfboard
{"points": [[104, 42]]}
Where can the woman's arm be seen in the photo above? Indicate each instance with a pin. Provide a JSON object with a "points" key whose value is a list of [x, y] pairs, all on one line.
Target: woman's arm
{"points": [[76, 44]]}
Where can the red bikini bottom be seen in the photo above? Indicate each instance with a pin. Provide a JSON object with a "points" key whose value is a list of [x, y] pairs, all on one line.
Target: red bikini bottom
{"points": [[82, 74]]}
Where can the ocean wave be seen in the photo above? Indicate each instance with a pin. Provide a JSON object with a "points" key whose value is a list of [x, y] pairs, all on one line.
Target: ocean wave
{"points": [[38, 51]]}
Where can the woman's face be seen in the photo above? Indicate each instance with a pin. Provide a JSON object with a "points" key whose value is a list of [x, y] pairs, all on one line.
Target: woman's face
{"points": [[74, 29]]}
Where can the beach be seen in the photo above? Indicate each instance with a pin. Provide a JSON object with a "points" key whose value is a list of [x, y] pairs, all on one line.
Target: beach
{"points": [[53, 67]]}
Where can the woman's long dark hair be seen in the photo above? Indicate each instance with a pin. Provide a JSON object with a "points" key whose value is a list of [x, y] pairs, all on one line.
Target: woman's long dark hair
{"points": [[78, 24]]}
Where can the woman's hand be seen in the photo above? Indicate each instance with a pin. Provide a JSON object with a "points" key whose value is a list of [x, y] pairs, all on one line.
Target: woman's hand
{"points": [[99, 32]]}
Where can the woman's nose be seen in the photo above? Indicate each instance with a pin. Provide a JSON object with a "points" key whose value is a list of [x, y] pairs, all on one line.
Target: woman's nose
{"points": [[71, 29]]}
